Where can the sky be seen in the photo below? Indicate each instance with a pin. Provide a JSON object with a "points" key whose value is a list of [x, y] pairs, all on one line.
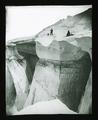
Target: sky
{"points": [[26, 21]]}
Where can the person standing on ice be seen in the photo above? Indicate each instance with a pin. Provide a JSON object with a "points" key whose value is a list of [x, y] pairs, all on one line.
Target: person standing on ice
{"points": [[68, 33], [51, 32]]}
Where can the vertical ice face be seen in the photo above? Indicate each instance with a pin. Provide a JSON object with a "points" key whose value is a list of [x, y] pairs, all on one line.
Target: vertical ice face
{"points": [[18, 75], [62, 70], [58, 50], [63, 67]]}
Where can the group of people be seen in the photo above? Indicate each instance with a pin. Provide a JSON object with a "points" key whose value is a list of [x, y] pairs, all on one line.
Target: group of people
{"points": [[67, 35], [51, 32]]}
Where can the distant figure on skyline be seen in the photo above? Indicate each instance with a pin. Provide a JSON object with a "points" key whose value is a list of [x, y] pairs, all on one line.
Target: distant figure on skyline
{"points": [[69, 34], [51, 32]]}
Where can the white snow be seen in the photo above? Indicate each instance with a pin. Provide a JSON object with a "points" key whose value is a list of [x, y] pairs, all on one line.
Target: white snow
{"points": [[47, 107], [23, 21]]}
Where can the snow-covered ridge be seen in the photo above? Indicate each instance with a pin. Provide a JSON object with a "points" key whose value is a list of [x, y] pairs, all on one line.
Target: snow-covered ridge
{"points": [[79, 25]]}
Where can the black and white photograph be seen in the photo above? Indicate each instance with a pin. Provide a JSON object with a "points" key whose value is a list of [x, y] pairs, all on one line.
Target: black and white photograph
{"points": [[48, 60]]}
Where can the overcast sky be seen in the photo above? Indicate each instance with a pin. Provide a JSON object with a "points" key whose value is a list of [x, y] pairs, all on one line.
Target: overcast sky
{"points": [[27, 21]]}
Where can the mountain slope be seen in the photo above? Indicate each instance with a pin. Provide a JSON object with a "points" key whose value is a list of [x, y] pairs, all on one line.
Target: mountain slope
{"points": [[79, 25]]}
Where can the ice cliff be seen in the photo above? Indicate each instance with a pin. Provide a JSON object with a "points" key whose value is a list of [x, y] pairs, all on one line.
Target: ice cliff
{"points": [[63, 65]]}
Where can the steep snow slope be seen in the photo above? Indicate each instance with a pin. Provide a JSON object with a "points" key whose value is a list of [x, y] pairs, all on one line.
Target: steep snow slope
{"points": [[79, 25]]}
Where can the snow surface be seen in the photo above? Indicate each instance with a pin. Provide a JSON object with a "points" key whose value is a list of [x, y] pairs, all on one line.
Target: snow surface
{"points": [[47, 107], [78, 25]]}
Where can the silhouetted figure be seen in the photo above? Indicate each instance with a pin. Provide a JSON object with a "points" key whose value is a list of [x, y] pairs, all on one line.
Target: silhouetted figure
{"points": [[51, 32], [68, 33]]}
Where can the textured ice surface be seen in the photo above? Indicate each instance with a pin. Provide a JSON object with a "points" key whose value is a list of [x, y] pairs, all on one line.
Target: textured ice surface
{"points": [[47, 107]]}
